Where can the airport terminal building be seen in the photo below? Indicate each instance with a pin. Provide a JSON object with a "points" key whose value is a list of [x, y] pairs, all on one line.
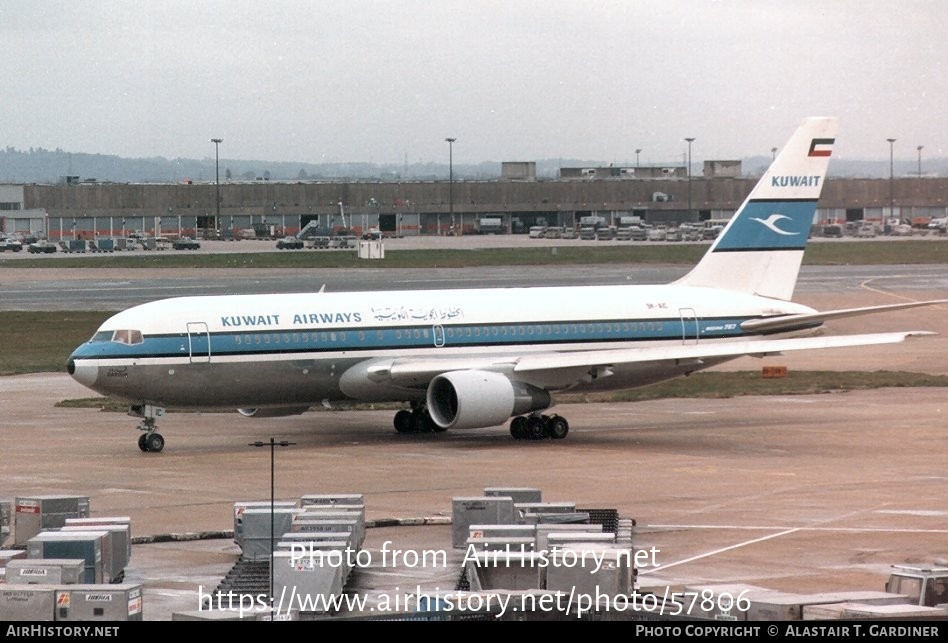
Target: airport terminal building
{"points": [[93, 209]]}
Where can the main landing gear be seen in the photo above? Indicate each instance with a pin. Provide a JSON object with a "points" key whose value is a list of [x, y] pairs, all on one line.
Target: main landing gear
{"points": [[523, 427], [150, 440], [418, 420], [539, 427]]}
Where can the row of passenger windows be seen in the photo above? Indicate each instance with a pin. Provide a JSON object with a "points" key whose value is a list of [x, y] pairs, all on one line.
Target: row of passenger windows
{"points": [[327, 337], [554, 329]]}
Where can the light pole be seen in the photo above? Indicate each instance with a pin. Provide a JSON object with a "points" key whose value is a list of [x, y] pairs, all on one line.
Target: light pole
{"points": [[690, 141], [919, 149], [891, 177], [217, 180], [272, 444], [637, 152], [450, 142]]}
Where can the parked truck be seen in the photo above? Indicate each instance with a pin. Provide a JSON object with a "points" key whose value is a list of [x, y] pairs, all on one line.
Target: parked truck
{"points": [[926, 586], [489, 225]]}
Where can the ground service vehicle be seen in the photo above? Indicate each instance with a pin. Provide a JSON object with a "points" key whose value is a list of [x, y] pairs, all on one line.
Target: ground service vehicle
{"points": [[42, 247], [10, 244], [490, 225], [537, 232], [926, 586], [290, 243], [185, 243]]}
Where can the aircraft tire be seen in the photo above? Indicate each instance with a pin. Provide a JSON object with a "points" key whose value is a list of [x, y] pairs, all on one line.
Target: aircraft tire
{"points": [[518, 427], [155, 442], [143, 442], [421, 423], [403, 421], [559, 427], [536, 428]]}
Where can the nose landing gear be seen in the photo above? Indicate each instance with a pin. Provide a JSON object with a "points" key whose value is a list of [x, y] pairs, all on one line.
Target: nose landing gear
{"points": [[150, 440]]}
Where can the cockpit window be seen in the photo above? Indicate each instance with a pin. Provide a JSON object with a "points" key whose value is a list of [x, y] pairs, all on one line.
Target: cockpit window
{"points": [[102, 336], [129, 337]]}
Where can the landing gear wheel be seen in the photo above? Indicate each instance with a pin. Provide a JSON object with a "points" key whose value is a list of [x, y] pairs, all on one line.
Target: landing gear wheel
{"points": [[558, 427], [150, 439], [518, 428], [421, 422], [403, 421], [536, 427], [155, 442]]}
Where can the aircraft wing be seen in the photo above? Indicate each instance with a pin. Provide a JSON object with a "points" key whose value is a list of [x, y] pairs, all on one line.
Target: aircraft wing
{"points": [[699, 350], [412, 372], [785, 323]]}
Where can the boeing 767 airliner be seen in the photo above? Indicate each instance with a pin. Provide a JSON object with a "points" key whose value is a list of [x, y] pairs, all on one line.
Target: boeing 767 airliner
{"points": [[470, 358]]}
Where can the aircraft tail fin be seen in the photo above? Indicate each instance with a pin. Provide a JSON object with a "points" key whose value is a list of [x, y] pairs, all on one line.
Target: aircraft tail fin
{"points": [[761, 248]]}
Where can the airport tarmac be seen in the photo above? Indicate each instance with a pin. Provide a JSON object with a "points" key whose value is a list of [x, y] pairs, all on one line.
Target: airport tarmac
{"points": [[806, 493]]}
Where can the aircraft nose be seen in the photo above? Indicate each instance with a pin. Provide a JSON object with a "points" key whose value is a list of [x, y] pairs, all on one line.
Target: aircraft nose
{"points": [[85, 374]]}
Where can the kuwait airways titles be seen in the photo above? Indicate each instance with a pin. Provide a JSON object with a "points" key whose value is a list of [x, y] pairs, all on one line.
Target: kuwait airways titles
{"points": [[233, 321], [388, 314]]}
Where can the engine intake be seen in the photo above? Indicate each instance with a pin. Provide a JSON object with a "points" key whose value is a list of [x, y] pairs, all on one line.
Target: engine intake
{"points": [[474, 399]]}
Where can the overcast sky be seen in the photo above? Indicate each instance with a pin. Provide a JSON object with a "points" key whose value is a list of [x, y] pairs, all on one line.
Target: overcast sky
{"points": [[511, 80]]}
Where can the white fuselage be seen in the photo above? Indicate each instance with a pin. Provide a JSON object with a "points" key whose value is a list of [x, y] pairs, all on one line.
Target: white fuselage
{"points": [[302, 349]]}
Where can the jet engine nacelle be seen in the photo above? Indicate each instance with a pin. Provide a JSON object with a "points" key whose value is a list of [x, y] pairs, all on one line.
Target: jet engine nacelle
{"points": [[272, 412], [474, 399]]}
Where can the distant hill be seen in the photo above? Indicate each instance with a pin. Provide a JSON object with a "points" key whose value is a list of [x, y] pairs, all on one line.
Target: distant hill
{"points": [[38, 165]]}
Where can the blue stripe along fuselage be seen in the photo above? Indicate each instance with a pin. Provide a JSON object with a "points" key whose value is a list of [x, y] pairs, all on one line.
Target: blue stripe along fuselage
{"points": [[260, 342]]}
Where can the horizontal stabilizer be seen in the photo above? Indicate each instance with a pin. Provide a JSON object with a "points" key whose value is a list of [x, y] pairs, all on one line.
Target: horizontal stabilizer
{"points": [[794, 322]]}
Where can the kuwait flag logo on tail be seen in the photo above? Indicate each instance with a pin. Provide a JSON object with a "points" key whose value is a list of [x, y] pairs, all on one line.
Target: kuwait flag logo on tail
{"points": [[821, 146]]}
